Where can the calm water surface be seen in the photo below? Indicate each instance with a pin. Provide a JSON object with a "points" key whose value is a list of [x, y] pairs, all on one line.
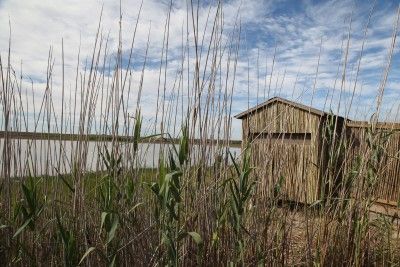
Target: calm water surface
{"points": [[41, 157]]}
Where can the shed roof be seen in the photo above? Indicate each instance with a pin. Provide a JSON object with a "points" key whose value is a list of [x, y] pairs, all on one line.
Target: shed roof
{"points": [[281, 100]]}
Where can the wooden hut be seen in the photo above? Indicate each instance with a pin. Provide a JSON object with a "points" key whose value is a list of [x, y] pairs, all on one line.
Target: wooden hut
{"points": [[291, 143]]}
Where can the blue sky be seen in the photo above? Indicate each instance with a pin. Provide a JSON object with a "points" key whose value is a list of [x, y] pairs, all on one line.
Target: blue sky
{"points": [[296, 30]]}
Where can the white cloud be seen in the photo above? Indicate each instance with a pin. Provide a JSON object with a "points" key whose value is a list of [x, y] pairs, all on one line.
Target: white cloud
{"points": [[37, 25]]}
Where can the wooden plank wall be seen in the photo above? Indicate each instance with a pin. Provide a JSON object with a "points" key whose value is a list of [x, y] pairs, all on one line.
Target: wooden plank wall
{"points": [[273, 157]]}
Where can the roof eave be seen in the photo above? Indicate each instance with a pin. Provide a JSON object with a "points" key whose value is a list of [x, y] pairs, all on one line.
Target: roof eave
{"points": [[282, 100]]}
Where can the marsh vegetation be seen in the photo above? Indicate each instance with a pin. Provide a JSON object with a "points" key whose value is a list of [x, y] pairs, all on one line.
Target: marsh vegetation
{"points": [[199, 203]]}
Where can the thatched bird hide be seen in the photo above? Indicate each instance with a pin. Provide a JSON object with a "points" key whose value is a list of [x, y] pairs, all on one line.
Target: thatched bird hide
{"points": [[313, 155]]}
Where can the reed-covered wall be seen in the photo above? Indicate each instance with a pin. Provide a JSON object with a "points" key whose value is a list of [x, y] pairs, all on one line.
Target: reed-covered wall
{"points": [[310, 154], [284, 140], [385, 137]]}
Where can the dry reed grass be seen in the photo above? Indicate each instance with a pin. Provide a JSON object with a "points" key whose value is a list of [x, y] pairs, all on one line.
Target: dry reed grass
{"points": [[184, 212]]}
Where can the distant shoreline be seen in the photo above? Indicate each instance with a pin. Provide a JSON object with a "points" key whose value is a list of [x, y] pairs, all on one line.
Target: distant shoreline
{"points": [[100, 137]]}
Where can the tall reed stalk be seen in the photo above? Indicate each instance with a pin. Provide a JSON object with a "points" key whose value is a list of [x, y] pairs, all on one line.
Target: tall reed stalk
{"points": [[166, 189]]}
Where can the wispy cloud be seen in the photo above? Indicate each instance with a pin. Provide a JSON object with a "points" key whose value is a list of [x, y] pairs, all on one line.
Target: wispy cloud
{"points": [[298, 31]]}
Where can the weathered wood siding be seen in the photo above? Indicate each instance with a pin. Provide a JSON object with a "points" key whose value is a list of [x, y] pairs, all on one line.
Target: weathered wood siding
{"points": [[285, 143]]}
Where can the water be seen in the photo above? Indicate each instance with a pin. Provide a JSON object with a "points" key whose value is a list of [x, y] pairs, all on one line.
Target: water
{"points": [[51, 157]]}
